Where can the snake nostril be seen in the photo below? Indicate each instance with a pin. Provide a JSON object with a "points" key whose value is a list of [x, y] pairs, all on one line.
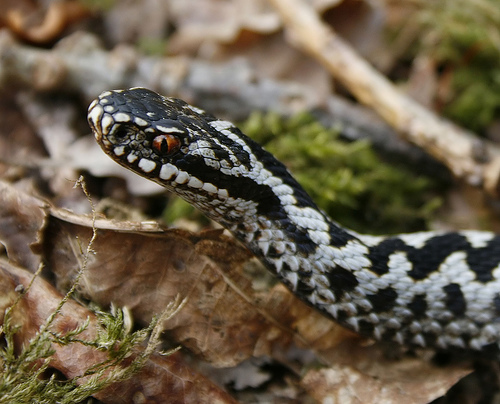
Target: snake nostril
{"points": [[120, 133]]}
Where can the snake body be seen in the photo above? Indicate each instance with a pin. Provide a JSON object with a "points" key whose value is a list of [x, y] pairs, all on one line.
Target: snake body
{"points": [[427, 289]]}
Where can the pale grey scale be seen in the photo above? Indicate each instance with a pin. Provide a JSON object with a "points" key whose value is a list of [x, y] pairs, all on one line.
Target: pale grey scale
{"points": [[206, 152], [316, 271]]}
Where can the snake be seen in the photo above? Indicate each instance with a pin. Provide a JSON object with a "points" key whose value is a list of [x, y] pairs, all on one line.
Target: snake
{"points": [[430, 289]]}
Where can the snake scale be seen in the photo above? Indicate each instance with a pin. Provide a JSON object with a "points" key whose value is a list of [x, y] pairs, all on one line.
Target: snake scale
{"points": [[429, 289]]}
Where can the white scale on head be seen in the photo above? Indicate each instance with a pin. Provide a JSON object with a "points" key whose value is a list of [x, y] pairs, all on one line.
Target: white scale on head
{"points": [[146, 165], [96, 112], [121, 117], [196, 110], [106, 123], [169, 129]]}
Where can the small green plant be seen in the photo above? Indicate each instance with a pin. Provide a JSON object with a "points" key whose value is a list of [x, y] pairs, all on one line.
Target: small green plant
{"points": [[28, 378]]}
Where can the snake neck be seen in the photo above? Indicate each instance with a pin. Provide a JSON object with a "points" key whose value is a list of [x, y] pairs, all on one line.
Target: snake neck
{"points": [[404, 288], [304, 248], [321, 262]]}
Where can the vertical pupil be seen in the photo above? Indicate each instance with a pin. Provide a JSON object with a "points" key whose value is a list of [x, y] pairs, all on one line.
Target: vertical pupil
{"points": [[164, 145], [160, 143]]}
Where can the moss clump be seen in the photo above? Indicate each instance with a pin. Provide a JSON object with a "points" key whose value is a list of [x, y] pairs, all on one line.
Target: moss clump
{"points": [[476, 98], [28, 378], [347, 180]]}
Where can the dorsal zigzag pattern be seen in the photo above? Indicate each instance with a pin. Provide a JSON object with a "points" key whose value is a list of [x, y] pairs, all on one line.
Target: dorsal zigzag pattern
{"points": [[439, 290]]}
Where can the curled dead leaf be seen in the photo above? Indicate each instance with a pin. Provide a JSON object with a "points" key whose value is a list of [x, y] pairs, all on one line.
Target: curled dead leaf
{"points": [[58, 16], [22, 220]]}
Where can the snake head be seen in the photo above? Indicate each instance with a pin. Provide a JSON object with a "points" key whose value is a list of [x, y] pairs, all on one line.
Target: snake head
{"points": [[136, 129], [162, 138], [177, 145], [206, 161]]}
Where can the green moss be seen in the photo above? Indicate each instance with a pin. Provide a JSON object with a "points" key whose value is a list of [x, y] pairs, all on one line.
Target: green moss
{"points": [[347, 180], [27, 377], [177, 208], [477, 97], [463, 37]]}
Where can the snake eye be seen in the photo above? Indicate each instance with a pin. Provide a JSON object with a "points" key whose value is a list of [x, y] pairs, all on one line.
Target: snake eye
{"points": [[166, 144]]}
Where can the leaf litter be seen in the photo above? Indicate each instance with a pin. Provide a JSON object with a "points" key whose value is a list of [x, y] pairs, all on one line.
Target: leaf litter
{"points": [[234, 311]]}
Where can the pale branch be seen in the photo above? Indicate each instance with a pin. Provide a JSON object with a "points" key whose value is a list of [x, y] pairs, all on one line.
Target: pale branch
{"points": [[79, 64], [475, 160]]}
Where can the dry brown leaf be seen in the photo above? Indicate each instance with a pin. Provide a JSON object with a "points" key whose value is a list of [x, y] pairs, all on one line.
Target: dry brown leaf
{"points": [[366, 374], [18, 142], [225, 320], [22, 219], [56, 18], [162, 379], [417, 383]]}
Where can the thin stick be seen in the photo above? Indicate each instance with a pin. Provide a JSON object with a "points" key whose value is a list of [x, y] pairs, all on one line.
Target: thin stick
{"points": [[468, 157]]}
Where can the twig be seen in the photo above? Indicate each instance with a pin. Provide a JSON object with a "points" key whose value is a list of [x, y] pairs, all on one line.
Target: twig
{"points": [[231, 89], [468, 157]]}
